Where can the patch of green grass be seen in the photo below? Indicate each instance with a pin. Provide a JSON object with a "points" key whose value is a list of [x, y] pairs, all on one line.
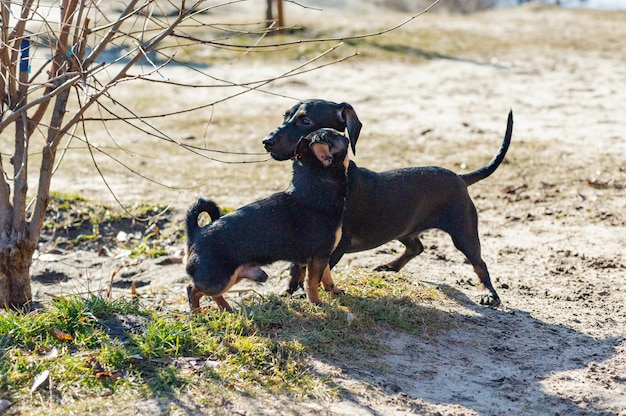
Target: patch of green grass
{"points": [[85, 350], [90, 347]]}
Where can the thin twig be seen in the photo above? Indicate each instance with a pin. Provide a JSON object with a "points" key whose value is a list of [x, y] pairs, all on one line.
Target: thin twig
{"points": [[304, 41]]}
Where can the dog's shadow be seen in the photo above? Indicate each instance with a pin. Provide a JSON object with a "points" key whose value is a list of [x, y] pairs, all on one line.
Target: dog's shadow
{"points": [[492, 361]]}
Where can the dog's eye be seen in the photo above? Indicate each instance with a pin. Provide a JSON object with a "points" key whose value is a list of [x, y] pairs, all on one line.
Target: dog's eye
{"points": [[306, 121]]}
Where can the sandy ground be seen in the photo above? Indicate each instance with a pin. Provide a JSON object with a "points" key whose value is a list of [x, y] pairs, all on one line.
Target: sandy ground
{"points": [[552, 218]]}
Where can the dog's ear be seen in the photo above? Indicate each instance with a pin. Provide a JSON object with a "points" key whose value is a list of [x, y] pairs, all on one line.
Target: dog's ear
{"points": [[339, 146], [322, 152], [352, 122], [329, 144], [290, 112], [302, 148], [252, 272]]}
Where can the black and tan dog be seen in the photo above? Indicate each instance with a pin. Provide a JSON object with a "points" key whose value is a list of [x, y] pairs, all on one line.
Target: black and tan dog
{"points": [[300, 225], [393, 205]]}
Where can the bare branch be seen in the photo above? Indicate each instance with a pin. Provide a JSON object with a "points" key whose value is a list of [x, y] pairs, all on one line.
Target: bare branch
{"points": [[68, 8], [304, 41], [47, 165], [20, 156], [303, 6], [122, 74], [163, 136], [113, 30], [246, 86], [60, 104]]}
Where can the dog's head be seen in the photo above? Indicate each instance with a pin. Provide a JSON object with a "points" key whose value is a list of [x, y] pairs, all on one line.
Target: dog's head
{"points": [[198, 289], [324, 147], [307, 117], [213, 277]]}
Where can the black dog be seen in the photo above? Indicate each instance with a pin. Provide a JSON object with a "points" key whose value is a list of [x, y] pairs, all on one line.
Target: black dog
{"points": [[301, 225], [393, 205]]}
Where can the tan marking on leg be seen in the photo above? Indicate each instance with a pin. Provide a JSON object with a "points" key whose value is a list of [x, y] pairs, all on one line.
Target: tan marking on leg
{"points": [[328, 284], [315, 270], [193, 296], [221, 302]]}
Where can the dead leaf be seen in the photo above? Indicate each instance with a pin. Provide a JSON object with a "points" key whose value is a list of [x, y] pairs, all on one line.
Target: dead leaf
{"points": [[108, 376], [598, 184], [513, 189], [133, 289], [39, 380], [92, 362], [61, 336]]}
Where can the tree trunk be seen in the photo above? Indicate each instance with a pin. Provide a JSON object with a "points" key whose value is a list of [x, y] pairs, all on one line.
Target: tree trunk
{"points": [[15, 260]]}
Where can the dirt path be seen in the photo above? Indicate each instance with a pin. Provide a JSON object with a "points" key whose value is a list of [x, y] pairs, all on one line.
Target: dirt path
{"points": [[552, 219]]}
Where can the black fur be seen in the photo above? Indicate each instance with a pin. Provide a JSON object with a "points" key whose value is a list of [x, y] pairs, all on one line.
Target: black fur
{"points": [[397, 204], [297, 225]]}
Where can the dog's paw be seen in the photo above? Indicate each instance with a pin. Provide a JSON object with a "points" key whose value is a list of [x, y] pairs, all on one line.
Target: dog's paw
{"points": [[336, 291], [297, 292], [385, 268], [490, 300]]}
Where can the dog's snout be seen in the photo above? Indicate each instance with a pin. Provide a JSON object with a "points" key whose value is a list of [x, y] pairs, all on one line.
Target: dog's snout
{"points": [[269, 142]]}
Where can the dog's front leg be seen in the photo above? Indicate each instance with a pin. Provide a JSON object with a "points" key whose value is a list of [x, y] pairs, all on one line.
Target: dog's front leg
{"points": [[221, 302], [296, 280], [193, 296], [315, 270]]}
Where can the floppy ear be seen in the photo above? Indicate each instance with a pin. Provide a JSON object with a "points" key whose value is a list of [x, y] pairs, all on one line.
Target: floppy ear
{"points": [[254, 273], [340, 146], [352, 122], [323, 153]]}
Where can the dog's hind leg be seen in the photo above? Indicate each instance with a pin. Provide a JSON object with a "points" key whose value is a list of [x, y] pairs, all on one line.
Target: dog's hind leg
{"points": [[298, 272], [412, 247], [469, 244], [491, 299]]}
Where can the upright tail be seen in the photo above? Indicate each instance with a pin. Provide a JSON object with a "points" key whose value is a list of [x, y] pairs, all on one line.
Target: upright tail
{"points": [[194, 211], [480, 174]]}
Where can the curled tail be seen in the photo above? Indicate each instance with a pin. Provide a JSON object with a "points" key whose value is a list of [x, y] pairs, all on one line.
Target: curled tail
{"points": [[480, 174], [194, 211]]}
